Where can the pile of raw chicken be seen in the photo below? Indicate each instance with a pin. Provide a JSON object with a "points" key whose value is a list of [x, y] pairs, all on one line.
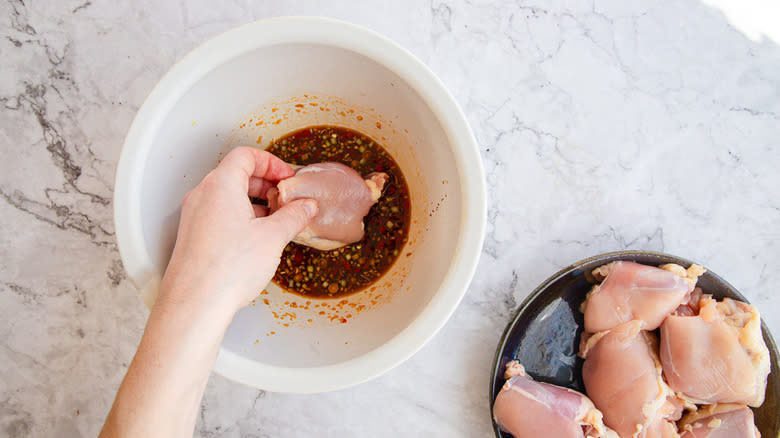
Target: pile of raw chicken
{"points": [[695, 379]]}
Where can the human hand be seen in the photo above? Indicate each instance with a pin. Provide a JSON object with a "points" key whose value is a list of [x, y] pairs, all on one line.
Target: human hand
{"points": [[227, 250]]}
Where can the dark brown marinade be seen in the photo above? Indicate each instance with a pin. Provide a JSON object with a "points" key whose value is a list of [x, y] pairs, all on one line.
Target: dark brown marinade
{"points": [[313, 273]]}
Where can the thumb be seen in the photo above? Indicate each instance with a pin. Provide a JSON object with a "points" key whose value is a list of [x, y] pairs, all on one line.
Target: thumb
{"points": [[284, 224]]}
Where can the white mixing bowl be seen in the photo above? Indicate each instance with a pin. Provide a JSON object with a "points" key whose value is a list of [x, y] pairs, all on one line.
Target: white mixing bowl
{"points": [[257, 82]]}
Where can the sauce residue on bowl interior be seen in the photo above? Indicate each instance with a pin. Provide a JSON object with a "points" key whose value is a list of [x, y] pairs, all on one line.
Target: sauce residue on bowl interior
{"points": [[325, 274]]}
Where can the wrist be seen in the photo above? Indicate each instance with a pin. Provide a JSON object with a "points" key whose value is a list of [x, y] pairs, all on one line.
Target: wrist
{"points": [[197, 301]]}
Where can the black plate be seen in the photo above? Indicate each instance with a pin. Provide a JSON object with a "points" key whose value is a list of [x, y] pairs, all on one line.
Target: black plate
{"points": [[544, 335]]}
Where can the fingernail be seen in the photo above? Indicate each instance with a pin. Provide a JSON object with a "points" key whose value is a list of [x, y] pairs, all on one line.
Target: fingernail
{"points": [[310, 206]]}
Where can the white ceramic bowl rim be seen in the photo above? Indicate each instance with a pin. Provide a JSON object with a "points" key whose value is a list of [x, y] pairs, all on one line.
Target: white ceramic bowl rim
{"points": [[311, 30]]}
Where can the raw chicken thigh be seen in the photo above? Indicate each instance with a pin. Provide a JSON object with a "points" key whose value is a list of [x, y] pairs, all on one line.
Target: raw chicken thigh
{"points": [[633, 291], [529, 409], [622, 375], [717, 356], [720, 421], [343, 198]]}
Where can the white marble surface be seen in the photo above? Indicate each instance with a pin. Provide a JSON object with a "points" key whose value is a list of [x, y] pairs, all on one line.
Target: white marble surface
{"points": [[603, 125]]}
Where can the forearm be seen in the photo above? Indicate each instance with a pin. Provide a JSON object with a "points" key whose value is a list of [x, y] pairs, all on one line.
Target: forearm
{"points": [[161, 392], [226, 251]]}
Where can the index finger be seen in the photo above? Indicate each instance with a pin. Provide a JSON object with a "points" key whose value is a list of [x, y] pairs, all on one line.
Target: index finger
{"points": [[252, 162]]}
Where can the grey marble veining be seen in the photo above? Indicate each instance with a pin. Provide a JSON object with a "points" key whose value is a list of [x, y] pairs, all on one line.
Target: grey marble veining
{"points": [[603, 125]]}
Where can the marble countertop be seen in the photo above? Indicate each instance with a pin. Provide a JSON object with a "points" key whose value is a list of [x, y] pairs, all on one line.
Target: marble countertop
{"points": [[602, 126]]}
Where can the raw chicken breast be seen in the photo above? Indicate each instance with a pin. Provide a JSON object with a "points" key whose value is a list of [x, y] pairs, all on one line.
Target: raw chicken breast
{"points": [[343, 198], [720, 421], [529, 409], [717, 356], [633, 291], [622, 375]]}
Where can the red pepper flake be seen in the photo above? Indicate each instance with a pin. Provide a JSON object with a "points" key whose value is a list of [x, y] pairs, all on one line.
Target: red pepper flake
{"points": [[259, 122], [299, 105], [343, 320], [378, 125], [266, 302], [359, 118]]}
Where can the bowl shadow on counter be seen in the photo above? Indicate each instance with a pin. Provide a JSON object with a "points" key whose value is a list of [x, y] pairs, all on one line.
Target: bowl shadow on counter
{"points": [[544, 334]]}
